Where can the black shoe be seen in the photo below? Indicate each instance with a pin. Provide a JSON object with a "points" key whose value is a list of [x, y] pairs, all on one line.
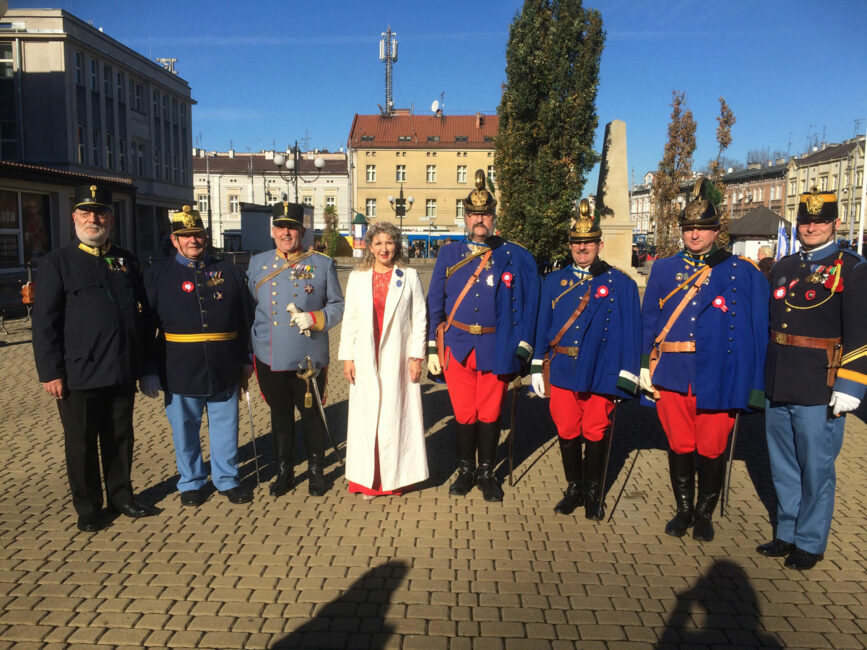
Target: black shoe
{"points": [[711, 472], [594, 491], [316, 484], [133, 509], [702, 528], [487, 442], [679, 524], [487, 482], [193, 498], [802, 560], [573, 497], [775, 548], [465, 480], [238, 495], [282, 483], [90, 523], [465, 437], [681, 471]]}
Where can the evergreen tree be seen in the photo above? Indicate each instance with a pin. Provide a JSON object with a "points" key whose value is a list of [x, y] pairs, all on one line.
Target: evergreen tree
{"points": [[544, 148]]}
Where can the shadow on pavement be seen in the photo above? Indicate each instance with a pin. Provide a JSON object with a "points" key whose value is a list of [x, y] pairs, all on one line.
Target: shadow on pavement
{"points": [[357, 617], [731, 612]]}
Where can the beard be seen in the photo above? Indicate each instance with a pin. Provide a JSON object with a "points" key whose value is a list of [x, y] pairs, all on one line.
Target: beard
{"points": [[91, 234]]}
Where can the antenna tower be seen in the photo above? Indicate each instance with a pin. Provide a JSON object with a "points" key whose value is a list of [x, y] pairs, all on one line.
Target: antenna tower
{"points": [[388, 54]]}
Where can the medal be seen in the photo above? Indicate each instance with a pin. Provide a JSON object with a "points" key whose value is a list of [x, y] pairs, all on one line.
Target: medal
{"points": [[564, 282], [187, 287]]}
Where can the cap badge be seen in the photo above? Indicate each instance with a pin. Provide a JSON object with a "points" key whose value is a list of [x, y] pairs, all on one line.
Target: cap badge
{"points": [[93, 191], [814, 203]]}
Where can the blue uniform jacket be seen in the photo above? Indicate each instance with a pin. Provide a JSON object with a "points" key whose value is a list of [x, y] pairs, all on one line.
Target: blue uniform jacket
{"points": [[504, 296], [204, 297], [311, 283], [727, 319], [607, 333]]}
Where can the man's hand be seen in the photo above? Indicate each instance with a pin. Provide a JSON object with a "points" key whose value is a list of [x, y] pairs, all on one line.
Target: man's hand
{"points": [[149, 385], [302, 319], [56, 388], [349, 371], [537, 381], [645, 383], [843, 403], [433, 364]]}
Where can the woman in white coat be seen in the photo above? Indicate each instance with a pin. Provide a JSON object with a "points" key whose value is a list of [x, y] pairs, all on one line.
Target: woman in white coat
{"points": [[382, 344]]}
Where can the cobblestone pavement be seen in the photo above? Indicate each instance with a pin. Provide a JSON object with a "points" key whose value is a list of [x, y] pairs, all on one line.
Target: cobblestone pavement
{"points": [[424, 570]]}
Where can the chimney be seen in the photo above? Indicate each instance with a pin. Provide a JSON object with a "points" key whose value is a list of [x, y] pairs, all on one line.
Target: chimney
{"points": [[231, 153], [480, 119]]}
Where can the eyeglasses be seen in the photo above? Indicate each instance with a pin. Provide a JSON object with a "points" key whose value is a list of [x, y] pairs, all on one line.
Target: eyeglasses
{"points": [[102, 215]]}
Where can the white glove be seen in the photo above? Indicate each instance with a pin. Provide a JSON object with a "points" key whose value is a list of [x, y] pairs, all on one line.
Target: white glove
{"points": [[843, 403], [644, 381], [433, 364], [149, 385], [303, 319], [537, 381]]}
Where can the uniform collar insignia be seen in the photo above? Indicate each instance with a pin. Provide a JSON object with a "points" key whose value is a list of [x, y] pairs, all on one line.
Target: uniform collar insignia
{"points": [[290, 256], [186, 261], [826, 250], [96, 251]]}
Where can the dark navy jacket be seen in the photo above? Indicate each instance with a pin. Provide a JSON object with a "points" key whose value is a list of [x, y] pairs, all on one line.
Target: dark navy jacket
{"points": [[607, 333], [88, 325], [505, 296], [199, 298], [727, 319]]}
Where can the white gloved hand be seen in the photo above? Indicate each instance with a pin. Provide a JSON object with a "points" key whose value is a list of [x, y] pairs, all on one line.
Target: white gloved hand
{"points": [[149, 385], [644, 381], [537, 381], [843, 403], [302, 319], [433, 364]]}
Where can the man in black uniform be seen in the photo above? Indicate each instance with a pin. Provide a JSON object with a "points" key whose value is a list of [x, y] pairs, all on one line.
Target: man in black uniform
{"points": [[88, 330], [203, 351], [816, 372]]}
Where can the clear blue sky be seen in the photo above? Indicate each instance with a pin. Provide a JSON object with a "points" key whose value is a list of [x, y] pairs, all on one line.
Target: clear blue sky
{"points": [[268, 72]]}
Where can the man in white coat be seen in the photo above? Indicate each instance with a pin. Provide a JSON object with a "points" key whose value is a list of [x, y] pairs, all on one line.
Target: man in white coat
{"points": [[382, 345]]}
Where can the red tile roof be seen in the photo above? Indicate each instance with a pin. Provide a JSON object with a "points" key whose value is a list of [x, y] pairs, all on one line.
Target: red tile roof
{"points": [[423, 131]]}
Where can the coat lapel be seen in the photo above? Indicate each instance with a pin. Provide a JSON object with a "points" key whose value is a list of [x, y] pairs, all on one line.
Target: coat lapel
{"points": [[395, 289]]}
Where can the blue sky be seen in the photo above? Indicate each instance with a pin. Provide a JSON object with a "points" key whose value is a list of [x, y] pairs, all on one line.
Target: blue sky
{"points": [[268, 72]]}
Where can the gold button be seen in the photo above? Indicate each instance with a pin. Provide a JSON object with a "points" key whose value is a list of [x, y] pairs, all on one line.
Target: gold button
{"points": [[785, 325], [274, 312], [273, 284], [275, 322], [788, 309], [273, 293], [205, 325], [273, 302]]}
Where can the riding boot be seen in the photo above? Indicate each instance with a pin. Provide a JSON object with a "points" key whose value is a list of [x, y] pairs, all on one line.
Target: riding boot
{"points": [[466, 443], [283, 448], [594, 458], [570, 450], [317, 486], [682, 474], [489, 441], [711, 472]]}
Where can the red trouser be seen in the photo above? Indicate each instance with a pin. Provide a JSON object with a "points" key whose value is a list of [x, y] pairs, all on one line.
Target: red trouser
{"points": [[475, 395], [688, 428], [577, 414]]}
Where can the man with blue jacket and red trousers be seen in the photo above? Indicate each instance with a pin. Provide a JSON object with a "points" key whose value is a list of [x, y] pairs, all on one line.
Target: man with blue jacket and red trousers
{"points": [[589, 331], [705, 322], [482, 303]]}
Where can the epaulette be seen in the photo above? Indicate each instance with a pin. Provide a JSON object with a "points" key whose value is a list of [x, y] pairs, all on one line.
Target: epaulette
{"points": [[861, 259], [719, 256], [599, 267], [328, 257], [747, 259]]}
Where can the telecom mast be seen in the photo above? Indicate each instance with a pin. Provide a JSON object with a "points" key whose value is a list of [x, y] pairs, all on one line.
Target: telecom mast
{"points": [[388, 53]]}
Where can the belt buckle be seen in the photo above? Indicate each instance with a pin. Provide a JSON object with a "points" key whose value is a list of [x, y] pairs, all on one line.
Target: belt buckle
{"points": [[475, 329], [572, 351], [780, 337]]}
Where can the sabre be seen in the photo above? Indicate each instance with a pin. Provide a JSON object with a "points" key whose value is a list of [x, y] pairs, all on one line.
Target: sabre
{"points": [[515, 388], [311, 373], [725, 500], [253, 435], [605, 464]]}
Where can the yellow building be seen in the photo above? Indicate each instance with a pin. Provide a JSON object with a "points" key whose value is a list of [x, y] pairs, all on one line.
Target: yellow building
{"points": [[432, 158]]}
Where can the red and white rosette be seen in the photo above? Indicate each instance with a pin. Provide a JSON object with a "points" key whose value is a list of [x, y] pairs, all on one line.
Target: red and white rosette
{"points": [[187, 287], [780, 293], [507, 279], [720, 303], [601, 291]]}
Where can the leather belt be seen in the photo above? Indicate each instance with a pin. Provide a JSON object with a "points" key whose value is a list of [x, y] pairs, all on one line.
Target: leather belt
{"points": [[475, 329], [677, 346], [569, 351], [782, 338], [201, 338]]}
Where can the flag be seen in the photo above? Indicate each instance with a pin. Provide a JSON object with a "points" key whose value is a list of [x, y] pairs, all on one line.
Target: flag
{"points": [[781, 240], [794, 244]]}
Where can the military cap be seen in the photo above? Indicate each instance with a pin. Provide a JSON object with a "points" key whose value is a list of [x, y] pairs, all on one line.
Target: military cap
{"points": [[288, 215], [701, 209], [90, 197], [587, 226], [480, 200], [817, 205], [186, 221]]}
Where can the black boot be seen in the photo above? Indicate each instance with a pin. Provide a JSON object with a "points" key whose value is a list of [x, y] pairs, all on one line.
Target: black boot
{"points": [[682, 474], [466, 442], [314, 441], [489, 441], [594, 458], [573, 497], [283, 447], [711, 472]]}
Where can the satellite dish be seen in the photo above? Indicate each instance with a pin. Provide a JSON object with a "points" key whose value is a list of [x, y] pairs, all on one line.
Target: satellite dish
{"points": [[435, 106]]}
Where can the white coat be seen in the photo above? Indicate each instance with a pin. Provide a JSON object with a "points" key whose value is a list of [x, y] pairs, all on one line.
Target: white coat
{"points": [[384, 402]]}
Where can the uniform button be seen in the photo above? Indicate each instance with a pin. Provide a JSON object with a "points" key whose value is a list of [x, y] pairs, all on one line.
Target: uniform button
{"points": [[788, 309], [513, 298], [729, 351], [734, 302], [274, 312], [275, 322], [204, 324], [731, 327], [514, 311], [731, 339], [609, 310], [606, 329], [791, 294], [692, 319], [607, 320], [204, 311], [201, 297], [694, 303], [273, 293], [273, 302], [296, 284], [733, 277], [477, 309], [477, 295], [734, 289], [691, 334], [273, 284], [294, 295], [785, 325], [734, 314], [514, 324]]}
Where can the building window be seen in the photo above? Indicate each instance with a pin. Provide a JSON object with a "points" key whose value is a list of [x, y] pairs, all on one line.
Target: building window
{"points": [[330, 202], [462, 173], [79, 69], [459, 208], [461, 138], [803, 185], [430, 208], [793, 188], [106, 80], [202, 201], [759, 194], [404, 138], [307, 199], [433, 138], [25, 228], [371, 173], [431, 174], [823, 183], [491, 175], [234, 204], [400, 174], [138, 98], [94, 75], [94, 147], [109, 154], [859, 179], [367, 138], [121, 91], [370, 208], [140, 158], [121, 154], [834, 182]]}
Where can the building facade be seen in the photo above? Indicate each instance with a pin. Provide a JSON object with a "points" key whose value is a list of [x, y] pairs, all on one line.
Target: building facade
{"points": [[223, 181], [642, 208], [430, 158], [755, 186], [75, 100]]}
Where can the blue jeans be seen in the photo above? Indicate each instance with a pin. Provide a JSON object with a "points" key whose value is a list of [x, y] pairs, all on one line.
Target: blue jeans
{"points": [[185, 417], [803, 443]]}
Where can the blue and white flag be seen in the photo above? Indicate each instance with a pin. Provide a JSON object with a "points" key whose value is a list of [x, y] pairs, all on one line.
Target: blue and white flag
{"points": [[781, 240], [794, 243]]}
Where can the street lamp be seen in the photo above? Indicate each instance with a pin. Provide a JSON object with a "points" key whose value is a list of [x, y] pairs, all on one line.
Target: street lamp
{"points": [[399, 205], [293, 164]]}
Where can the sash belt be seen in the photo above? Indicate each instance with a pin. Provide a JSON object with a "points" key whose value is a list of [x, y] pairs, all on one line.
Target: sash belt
{"points": [[201, 338], [474, 329]]}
